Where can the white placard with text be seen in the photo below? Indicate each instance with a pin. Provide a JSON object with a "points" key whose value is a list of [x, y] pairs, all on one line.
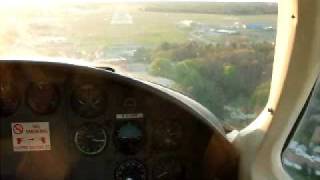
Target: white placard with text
{"points": [[30, 136]]}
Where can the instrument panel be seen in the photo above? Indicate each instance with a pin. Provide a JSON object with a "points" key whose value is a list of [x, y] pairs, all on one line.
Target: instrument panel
{"points": [[66, 122]]}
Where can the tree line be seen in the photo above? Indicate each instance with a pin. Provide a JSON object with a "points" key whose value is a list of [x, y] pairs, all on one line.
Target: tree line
{"points": [[235, 73], [214, 8]]}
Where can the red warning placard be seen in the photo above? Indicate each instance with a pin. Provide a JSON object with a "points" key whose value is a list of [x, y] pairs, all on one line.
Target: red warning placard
{"points": [[31, 136]]}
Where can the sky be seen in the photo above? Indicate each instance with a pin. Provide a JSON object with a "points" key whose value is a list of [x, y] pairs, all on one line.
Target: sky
{"points": [[19, 2], [180, 0], [49, 3]]}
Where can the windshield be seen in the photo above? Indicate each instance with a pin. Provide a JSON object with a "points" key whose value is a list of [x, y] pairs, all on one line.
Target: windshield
{"points": [[218, 53]]}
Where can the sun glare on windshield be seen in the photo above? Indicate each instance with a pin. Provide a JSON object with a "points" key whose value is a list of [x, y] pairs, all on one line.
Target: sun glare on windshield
{"points": [[218, 53]]}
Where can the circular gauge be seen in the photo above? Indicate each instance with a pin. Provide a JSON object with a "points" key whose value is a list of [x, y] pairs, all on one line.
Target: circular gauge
{"points": [[88, 101], [91, 139], [168, 135], [129, 137], [168, 169], [131, 170], [42, 98], [9, 99]]}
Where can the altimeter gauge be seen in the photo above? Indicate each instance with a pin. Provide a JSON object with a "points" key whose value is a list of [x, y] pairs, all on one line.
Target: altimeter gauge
{"points": [[88, 101], [9, 99], [91, 139], [43, 98]]}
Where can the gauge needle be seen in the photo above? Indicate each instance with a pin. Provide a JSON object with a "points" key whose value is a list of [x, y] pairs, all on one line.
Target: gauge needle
{"points": [[162, 174], [82, 102], [98, 140]]}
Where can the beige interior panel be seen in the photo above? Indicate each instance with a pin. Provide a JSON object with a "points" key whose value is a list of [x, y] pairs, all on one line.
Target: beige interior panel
{"points": [[296, 66]]}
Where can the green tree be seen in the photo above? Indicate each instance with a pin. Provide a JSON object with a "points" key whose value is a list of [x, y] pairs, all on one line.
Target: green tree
{"points": [[162, 67]]}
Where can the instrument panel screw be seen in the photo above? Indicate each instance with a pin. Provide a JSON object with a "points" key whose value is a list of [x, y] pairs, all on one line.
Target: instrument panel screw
{"points": [[270, 110]]}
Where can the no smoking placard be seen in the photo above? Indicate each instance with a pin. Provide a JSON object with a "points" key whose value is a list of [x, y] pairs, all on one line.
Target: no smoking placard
{"points": [[31, 136]]}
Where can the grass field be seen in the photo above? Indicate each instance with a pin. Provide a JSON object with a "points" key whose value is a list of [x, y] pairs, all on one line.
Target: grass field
{"points": [[149, 28]]}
